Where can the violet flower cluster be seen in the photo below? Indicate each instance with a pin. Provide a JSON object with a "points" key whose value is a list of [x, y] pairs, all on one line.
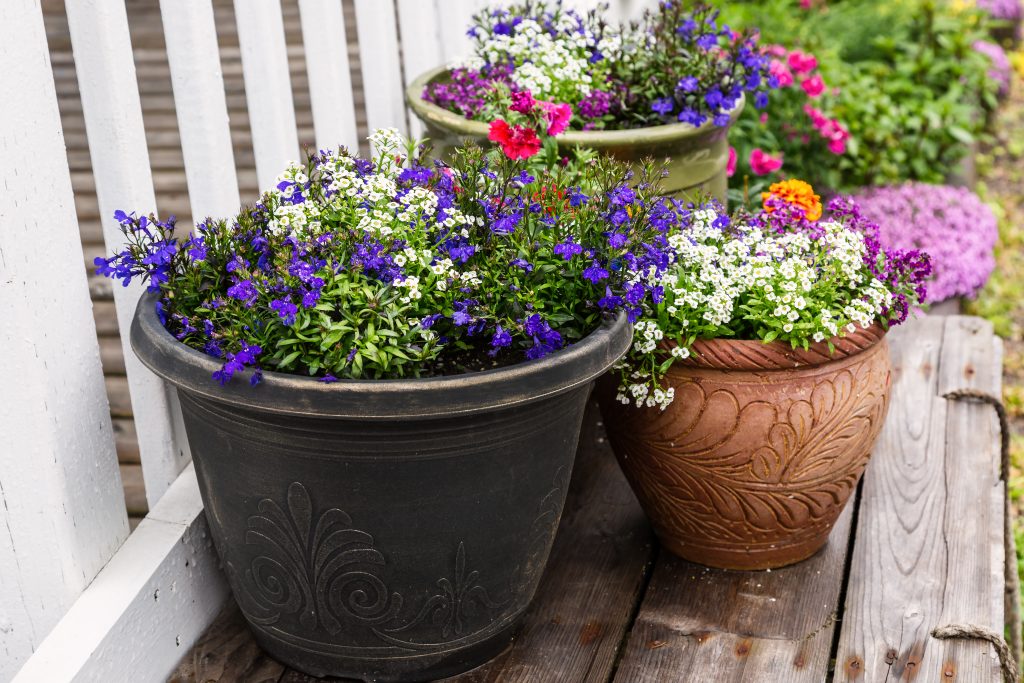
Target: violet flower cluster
{"points": [[1001, 70], [678, 64], [1005, 10], [386, 267], [956, 228]]}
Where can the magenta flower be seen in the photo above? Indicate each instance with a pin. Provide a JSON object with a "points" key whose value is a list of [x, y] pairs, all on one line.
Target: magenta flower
{"points": [[558, 116], [813, 86], [523, 102], [764, 164], [802, 62]]}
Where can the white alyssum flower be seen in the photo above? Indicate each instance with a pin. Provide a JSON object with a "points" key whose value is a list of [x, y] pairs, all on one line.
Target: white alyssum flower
{"points": [[788, 287]]}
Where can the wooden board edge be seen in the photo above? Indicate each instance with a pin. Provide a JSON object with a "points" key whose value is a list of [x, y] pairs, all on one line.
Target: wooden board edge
{"points": [[148, 605]]}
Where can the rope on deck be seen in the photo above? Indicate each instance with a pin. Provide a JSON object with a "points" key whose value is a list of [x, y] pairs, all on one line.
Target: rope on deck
{"points": [[1009, 659], [971, 632]]}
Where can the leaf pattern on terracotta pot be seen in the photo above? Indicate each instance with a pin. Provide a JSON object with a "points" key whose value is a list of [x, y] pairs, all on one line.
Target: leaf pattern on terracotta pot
{"points": [[741, 459]]}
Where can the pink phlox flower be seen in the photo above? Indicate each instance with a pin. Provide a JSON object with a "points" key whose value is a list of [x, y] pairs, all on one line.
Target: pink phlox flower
{"points": [[802, 62], [762, 163], [558, 116], [813, 86]]}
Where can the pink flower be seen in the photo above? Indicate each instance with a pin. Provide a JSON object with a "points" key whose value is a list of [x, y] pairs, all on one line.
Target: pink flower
{"points": [[517, 142], [764, 118], [558, 116], [523, 102], [837, 146], [730, 166], [817, 118], [813, 86], [776, 50], [781, 72], [802, 62], [763, 164]]}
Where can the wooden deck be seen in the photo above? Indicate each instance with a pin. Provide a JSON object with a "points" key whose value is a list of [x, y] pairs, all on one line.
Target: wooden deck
{"points": [[920, 546]]}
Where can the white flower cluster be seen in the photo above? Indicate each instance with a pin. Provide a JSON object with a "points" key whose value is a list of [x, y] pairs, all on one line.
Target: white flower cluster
{"points": [[551, 67], [370, 201], [748, 282]]}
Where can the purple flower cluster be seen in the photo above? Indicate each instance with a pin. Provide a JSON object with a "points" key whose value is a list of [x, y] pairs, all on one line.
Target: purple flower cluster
{"points": [[597, 104], [951, 224], [1006, 10], [1001, 71], [468, 90], [159, 258], [702, 68]]}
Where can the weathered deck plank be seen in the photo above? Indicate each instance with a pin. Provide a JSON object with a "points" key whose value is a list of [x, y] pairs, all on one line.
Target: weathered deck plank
{"points": [[923, 555], [698, 624]]}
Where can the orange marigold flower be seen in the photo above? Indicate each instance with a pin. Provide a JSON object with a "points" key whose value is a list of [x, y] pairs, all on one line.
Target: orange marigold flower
{"points": [[795, 193]]}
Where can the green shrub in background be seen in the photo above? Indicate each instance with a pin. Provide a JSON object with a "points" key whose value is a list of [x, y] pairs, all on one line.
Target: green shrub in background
{"points": [[902, 78]]}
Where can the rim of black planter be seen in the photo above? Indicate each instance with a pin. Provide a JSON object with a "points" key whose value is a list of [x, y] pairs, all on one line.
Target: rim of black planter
{"points": [[386, 399]]}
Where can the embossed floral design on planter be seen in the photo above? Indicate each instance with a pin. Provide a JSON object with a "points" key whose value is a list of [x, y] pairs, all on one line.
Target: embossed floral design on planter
{"points": [[329, 573], [753, 462]]}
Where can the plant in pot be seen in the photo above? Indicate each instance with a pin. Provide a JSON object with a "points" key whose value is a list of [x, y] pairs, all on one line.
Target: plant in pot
{"points": [[667, 87], [800, 132], [382, 369], [952, 224], [755, 388]]}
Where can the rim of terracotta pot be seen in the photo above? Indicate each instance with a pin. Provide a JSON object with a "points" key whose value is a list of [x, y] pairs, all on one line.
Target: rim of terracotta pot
{"points": [[754, 354], [594, 139], [386, 399]]}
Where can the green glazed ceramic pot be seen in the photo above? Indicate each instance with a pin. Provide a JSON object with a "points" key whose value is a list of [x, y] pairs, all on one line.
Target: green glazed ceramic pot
{"points": [[697, 157]]}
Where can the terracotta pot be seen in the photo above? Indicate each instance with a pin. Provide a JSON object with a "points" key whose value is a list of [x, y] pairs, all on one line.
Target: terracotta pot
{"points": [[753, 462], [697, 157]]}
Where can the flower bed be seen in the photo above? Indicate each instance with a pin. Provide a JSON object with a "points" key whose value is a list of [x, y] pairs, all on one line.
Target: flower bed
{"points": [[952, 224], [1007, 14], [904, 80]]}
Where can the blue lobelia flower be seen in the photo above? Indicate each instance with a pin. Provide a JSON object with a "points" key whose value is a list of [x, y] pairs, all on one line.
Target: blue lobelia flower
{"points": [[663, 105], [286, 310], [568, 249], [688, 84], [595, 273]]}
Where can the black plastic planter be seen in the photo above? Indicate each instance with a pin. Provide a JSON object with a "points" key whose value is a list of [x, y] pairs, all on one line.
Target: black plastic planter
{"points": [[383, 530]]}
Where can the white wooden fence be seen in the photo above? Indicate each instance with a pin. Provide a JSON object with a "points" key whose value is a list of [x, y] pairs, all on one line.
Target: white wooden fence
{"points": [[80, 599]]}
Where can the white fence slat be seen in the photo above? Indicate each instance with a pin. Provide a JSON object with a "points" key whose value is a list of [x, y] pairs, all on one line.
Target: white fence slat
{"points": [[381, 67], [422, 48], [268, 87], [147, 607], [454, 18], [330, 83], [120, 162], [62, 511], [202, 110]]}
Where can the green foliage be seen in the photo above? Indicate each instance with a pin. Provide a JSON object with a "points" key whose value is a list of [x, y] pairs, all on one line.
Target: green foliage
{"points": [[911, 88]]}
